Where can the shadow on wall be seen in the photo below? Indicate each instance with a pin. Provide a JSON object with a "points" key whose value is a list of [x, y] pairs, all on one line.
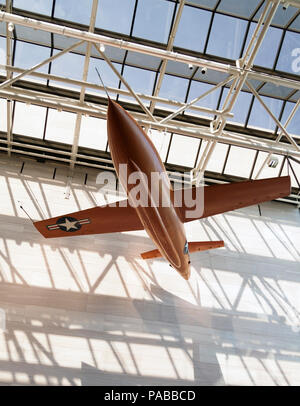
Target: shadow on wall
{"points": [[63, 330]]}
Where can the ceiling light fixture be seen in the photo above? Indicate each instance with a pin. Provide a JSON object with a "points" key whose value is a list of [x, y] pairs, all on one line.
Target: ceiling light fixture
{"points": [[102, 47], [10, 27]]}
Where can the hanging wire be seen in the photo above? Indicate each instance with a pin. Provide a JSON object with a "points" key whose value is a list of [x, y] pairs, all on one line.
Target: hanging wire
{"points": [[22, 208]]}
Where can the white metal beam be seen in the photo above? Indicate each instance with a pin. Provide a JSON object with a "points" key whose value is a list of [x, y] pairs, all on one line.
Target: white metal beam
{"points": [[83, 88], [124, 92], [130, 46], [8, 76], [126, 84], [245, 65], [169, 48]]}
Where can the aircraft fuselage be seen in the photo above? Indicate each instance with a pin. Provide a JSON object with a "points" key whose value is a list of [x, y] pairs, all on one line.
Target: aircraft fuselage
{"points": [[131, 147]]}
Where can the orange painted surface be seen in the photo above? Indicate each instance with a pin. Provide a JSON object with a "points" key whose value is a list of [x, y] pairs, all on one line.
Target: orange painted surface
{"points": [[131, 146]]}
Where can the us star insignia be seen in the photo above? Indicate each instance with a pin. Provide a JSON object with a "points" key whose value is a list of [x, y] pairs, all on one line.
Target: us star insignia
{"points": [[68, 224]]}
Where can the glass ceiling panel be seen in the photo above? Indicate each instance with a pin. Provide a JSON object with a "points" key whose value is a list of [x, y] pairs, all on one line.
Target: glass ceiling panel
{"points": [[255, 83], [282, 17], [115, 15], [270, 89], [93, 133], [239, 8], [143, 61], [193, 28], [216, 162], [202, 149], [210, 101], [294, 126], [62, 42], [27, 55], [211, 4], [2, 54], [153, 20], [78, 11], [3, 115], [29, 120], [289, 58], [183, 150], [113, 54], [259, 118], [240, 162], [240, 108], [60, 126], [141, 81], [296, 24], [268, 49], [3, 29], [267, 172], [295, 96], [31, 35], [161, 140], [36, 6], [211, 76], [287, 170], [110, 79], [68, 65], [180, 69], [226, 42], [173, 88]]}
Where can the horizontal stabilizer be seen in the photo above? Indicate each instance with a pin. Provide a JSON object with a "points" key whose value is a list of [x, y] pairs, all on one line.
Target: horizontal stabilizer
{"points": [[193, 247], [231, 196]]}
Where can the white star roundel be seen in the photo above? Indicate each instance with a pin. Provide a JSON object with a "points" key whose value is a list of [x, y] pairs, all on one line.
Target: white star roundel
{"points": [[68, 224]]}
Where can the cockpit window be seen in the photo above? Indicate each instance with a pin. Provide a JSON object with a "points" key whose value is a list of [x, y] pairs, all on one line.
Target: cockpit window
{"points": [[186, 248]]}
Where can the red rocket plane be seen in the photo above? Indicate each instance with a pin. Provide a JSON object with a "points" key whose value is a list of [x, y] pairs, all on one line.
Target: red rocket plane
{"points": [[130, 146]]}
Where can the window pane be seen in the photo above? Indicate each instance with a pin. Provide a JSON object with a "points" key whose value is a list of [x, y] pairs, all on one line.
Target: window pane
{"points": [[267, 172], [29, 120], [2, 54], [153, 20], [240, 108], [193, 28], [226, 42], [140, 80], [282, 17], [93, 133], [3, 115], [110, 79], [211, 4], [60, 126], [115, 15], [78, 11], [210, 101], [27, 55], [183, 150], [68, 65], [216, 162], [173, 88], [161, 140], [37, 6], [239, 8], [294, 126], [268, 49], [260, 118], [289, 58], [240, 162]]}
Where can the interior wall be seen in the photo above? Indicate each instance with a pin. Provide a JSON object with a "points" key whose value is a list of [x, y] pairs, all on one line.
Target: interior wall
{"points": [[89, 311]]}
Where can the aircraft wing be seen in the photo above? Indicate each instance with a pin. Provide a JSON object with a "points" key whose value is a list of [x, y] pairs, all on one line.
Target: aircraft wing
{"points": [[98, 220], [226, 197]]}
